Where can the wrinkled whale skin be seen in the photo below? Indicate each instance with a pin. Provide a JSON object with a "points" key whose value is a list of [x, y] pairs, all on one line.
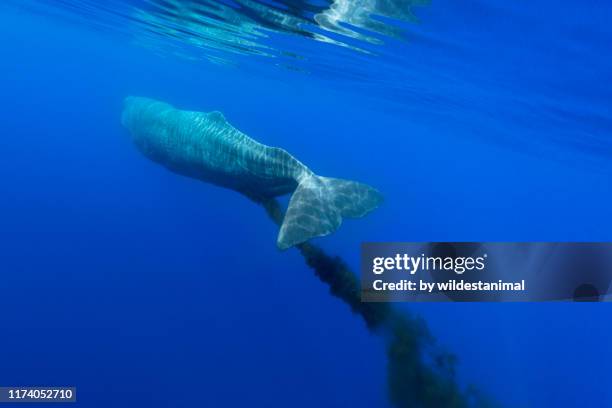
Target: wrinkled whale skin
{"points": [[203, 145]]}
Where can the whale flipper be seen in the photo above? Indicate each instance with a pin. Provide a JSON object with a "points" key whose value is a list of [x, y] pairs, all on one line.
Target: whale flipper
{"points": [[318, 206]]}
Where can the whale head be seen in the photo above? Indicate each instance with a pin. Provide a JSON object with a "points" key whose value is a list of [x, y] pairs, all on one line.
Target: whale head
{"points": [[133, 108], [138, 111]]}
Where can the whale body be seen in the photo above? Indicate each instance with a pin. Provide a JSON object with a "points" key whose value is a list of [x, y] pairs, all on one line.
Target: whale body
{"points": [[204, 146]]}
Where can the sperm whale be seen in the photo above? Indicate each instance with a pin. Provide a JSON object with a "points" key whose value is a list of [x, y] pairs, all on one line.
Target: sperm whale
{"points": [[204, 146]]}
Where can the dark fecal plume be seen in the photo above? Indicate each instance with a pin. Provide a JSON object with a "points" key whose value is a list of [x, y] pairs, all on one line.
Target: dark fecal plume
{"points": [[419, 375]]}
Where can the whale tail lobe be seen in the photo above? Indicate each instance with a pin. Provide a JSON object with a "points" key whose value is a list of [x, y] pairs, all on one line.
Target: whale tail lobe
{"points": [[318, 206]]}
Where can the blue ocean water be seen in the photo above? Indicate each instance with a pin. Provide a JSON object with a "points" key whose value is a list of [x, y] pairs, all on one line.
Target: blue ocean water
{"points": [[480, 121]]}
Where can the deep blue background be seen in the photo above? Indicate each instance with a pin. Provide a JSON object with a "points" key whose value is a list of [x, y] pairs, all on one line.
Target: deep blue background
{"points": [[143, 288]]}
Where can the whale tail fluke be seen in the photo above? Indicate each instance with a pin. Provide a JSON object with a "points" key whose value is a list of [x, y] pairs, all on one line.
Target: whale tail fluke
{"points": [[318, 206]]}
